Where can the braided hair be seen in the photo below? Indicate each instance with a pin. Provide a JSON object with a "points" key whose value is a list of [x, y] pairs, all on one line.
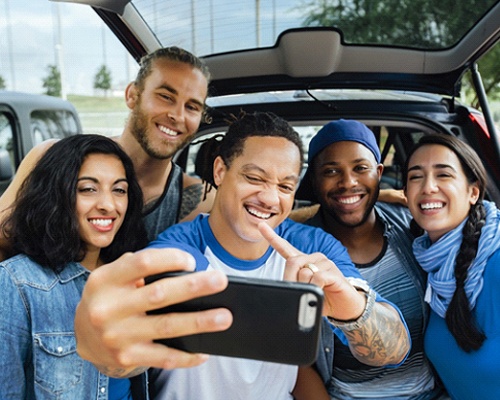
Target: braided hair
{"points": [[459, 317]]}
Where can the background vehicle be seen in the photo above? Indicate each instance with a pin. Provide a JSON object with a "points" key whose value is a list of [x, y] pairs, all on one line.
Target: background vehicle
{"points": [[402, 73], [26, 120]]}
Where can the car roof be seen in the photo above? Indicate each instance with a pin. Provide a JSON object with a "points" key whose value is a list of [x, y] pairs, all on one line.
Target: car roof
{"points": [[252, 46], [28, 102]]}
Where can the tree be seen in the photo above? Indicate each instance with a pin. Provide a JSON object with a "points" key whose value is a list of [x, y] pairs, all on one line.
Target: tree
{"points": [[2, 83], [490, 75], [419, 23], [102, 79], [52, 83]]}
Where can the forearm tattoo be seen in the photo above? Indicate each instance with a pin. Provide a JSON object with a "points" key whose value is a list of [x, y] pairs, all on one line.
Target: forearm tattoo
{"points": [[381, 340], [191, 198], [120, 372]]}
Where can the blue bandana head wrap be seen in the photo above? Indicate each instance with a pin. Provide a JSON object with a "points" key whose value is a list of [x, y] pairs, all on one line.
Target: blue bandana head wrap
{"points": [[343, 131]]}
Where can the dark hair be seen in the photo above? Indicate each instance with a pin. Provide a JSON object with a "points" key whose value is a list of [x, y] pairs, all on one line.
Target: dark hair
{"points": [[171, 54], [43, 223], [261, 124], [459, 318], [207, 153]]}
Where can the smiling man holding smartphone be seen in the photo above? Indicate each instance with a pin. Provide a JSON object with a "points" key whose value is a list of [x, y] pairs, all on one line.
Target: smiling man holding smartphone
{"points": [[257, 173]]}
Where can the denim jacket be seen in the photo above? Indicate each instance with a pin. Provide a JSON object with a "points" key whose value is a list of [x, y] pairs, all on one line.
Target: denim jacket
{"points": [[396, 221], [38, 358]]}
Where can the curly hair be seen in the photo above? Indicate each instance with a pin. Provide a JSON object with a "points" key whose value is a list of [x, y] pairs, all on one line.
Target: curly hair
{"points": [[262, 124], [43, 222], [459, 317]]}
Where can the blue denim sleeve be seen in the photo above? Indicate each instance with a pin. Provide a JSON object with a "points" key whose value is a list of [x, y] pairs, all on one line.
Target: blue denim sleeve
{"points": [[15, 339]]}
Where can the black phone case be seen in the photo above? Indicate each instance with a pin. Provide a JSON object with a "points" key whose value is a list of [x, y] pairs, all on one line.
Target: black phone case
{"points": [[265, 321]]}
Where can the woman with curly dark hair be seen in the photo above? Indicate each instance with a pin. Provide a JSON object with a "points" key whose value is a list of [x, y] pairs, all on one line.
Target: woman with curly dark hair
{"points": [[78, 209], [460, 250]]}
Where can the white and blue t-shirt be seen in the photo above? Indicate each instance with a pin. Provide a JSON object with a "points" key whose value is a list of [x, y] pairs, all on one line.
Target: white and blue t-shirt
{"points": [[227, 377]]}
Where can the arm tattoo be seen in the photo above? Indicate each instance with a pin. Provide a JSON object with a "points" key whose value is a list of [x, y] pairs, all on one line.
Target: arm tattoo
{"points": [[381, 340], [120, 372], [191, 198]]}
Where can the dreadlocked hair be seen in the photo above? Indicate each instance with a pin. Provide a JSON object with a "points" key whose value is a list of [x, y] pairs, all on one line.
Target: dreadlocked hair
{"points": [[204, 162], [459, 318]]}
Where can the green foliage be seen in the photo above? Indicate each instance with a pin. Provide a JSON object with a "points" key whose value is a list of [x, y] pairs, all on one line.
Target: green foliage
{"points": [[488, 67], [52, 83], [2, 83], [102, 79], [415, 23]]}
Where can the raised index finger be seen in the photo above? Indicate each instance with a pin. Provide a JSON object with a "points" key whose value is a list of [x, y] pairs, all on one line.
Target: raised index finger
{"points": [[285, 249]]}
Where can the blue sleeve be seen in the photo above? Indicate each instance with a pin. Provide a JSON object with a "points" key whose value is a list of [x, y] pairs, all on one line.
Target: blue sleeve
{"points": [[183, 237], [15, 336], [310, 240]]}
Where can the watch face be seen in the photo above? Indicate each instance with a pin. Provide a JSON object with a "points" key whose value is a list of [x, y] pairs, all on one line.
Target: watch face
{"points": [[359, 284]]}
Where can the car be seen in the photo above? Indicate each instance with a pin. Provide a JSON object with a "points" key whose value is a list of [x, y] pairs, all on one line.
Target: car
{"points": [[26, 120], [403, 77]]}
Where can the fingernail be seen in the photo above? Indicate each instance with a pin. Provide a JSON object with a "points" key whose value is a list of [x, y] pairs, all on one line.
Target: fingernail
{"points": [[222, 318]]}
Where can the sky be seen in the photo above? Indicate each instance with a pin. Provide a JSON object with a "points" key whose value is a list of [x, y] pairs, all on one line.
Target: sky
{"points": [[37, 33], [29, 38]]}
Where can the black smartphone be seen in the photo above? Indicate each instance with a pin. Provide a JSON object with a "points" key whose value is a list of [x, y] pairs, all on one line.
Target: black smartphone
{"points": [[275, 321]]}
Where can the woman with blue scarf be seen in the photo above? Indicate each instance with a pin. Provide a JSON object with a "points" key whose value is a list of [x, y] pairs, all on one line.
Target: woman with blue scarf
{"points": [[445, 185]]}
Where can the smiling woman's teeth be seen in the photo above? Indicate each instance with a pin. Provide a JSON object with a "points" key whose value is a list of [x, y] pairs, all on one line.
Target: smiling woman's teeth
{"points": [[169, 132], [101, 222], [259, 214], [431, 206]]}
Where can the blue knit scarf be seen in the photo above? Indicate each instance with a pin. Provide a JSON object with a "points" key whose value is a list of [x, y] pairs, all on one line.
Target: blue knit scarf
{"points": [[438, 259]]}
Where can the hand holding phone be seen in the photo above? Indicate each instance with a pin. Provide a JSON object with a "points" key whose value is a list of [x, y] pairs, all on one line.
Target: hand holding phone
{"points": [[274, 321]]}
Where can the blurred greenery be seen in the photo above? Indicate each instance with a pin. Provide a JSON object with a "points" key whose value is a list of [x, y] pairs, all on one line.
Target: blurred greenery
{"points": [[102, 79], [101, 115], [98, 103], [52, 82]]}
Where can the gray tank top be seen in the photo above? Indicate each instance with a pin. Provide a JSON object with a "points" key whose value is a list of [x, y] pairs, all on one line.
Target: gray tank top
{"points": [[165, 211]]}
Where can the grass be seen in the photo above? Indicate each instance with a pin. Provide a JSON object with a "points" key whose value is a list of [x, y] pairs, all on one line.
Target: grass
{"points": [[101, 115], [98, 104]]}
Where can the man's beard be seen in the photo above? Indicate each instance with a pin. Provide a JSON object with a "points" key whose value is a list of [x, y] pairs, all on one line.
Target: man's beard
{"points": [[139, 128]]}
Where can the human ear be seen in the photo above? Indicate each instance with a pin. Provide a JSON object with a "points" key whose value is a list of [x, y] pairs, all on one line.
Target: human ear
{"points": [[220, 169], [380, 170], [474, 194], [131, 95]]}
